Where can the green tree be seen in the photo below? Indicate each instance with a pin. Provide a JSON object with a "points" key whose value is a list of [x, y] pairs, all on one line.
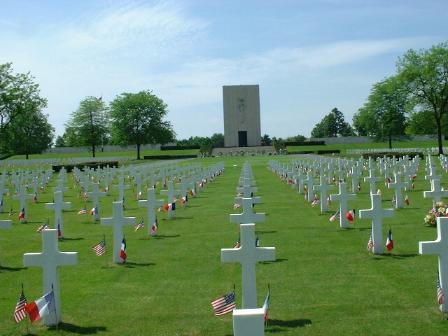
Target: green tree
{"points": [[18, 95], [266, 140], [384, 113], [60, 141], [421, 122], [88, 125], [29, 132], [137, 118], [425, 76], [332, 125], [217, 140]]}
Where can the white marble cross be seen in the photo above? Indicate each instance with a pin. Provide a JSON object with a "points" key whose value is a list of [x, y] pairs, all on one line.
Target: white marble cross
{"points": [[343, 198], [323, 188], [248, 255], [151, 204], [436, 192], [247, 216], [3, 191], [121, 188], [171, 195], [58, 205], [376, 213], [96, 194], [398, 186], [355, 175], [117, 221], [50, 259], [372, 180], [439, 247], [23, 197], [247, 191], [309, 181], [254, 200], [5, 224]]}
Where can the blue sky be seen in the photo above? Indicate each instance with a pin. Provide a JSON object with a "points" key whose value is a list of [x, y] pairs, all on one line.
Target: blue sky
{"points": [[307, 56]]}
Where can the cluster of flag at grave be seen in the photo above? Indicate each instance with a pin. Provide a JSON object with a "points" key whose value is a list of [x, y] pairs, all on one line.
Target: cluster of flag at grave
{"points": [[389, 242], [35, 310], [226, 304]]}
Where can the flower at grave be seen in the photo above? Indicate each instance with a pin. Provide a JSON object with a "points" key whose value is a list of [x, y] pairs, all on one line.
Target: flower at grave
{"points": [[406, 200], [236, 206], [378, 191], [439, 210], [123, 254], [154, 228], [166, 207], [315, 201], [35, 197]]}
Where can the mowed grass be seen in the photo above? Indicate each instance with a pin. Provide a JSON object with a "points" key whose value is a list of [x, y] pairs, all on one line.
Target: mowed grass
{"points": [[324, 281]]}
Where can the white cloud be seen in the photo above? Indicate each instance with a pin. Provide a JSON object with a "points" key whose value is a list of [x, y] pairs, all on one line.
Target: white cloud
{"points": [[158, 46]]}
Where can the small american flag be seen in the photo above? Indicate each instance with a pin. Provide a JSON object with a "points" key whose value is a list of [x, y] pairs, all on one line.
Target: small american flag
{"points": [[370, 244], [42, 227], [19, 312], [224, 304], [100, 248], [439, 291], [139, 225]]}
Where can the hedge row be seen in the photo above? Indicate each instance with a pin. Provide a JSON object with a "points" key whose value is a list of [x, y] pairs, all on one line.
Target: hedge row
{"points": [[179, 147], [96, 165], [305, 143]]}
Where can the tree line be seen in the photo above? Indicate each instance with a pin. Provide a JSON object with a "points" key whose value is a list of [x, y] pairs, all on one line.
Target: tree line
{"points": [[412, 101]]}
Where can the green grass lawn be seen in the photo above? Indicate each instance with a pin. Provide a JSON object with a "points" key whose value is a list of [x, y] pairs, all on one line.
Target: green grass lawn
{"points": [[324, 281]]}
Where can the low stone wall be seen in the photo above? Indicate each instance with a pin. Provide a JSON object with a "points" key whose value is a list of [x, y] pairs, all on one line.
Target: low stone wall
{"points": [[244, 151], [107, 148]]}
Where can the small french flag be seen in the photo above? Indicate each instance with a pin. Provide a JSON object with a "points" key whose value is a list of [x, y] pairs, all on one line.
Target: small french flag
{"points": [[350, 215], [41, 307]]}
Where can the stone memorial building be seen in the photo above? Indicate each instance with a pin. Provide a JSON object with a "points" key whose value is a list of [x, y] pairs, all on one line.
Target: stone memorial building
{"points": [[241, 115]]}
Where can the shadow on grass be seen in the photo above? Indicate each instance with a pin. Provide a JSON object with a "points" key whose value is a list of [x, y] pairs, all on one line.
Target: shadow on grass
{"points": [[276, 326], [10, 269], [265, 232], [395, 256], [166, 236], [130, 264], [77, 329], [183, 217], [279, 260], [69, 239]]}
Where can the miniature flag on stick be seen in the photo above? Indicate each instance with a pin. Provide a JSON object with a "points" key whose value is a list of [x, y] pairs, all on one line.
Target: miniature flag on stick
{"points": [[22, 215], [224, 304], [439, 290], [266, 305], [83, 211], [43, 227], [94, 211], [41, 307], [389, 241], [140, 225], [350, 215], [154, 228], [370, 244], [100, 248], [335, 215], [123, 255], [406, 200], [19, 311]]}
